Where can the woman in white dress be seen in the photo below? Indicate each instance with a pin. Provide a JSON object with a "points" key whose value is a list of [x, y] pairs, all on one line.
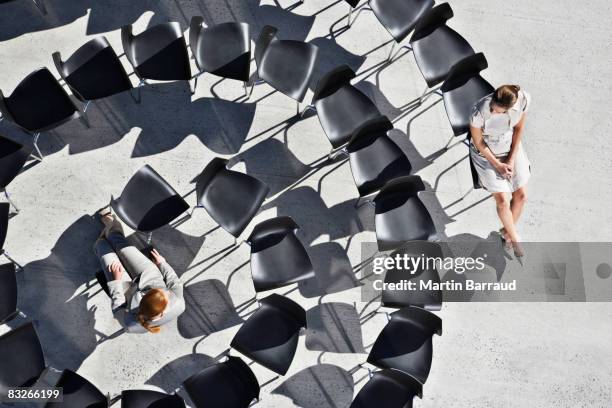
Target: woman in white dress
{"points": [[496, 126]]}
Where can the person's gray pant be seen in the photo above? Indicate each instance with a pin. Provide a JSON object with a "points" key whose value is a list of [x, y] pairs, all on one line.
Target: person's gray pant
{"points": [[115, 247]]}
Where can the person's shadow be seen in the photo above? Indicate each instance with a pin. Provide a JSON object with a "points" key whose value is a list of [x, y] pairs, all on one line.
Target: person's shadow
{"points": [[55, 299]]}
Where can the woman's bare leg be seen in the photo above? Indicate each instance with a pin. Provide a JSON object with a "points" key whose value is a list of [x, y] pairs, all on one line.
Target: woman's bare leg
{"points": [[519, 197], [505, 215]]}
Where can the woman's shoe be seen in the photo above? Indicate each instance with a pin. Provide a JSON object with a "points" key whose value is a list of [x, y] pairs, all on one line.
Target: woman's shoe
{"points": [[518, 249], [505, 239]]}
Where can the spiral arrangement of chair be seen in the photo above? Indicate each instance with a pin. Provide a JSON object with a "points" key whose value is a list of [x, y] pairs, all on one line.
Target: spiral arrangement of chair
{"points": [[354, 126]]}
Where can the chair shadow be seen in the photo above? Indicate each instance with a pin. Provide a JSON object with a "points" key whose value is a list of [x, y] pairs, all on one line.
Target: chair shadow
{"points": [[489, 249], [271, 157], [50, 286], [104, 17], [171, 376], [333, 271], [165, 117], [334, 327], [208, 309], [322, 385], [309, 210], [330, 56]]}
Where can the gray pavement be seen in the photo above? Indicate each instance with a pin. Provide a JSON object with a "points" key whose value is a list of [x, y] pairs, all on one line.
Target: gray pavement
{"points": [[490, 355]]}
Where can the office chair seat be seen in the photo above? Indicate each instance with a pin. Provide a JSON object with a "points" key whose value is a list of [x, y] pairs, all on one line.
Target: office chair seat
{"points": [[388, 389], [278, 258], [13, 156], [158, 53], [374, 158], [400, 215], [93, 71], [22, 358], [150, 399], [38, 103], [399, 17], [423, 298], [286, 65], [148, 202], [462, 89], [437, 47], [405, 343], [231, 198], [78, 393], [270, 335], [8, 292], [230, 384], [341, 108], [223, 49]]}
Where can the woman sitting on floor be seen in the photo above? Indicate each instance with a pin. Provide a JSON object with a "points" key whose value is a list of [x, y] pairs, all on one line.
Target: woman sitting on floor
{"points": [[151, 295]]}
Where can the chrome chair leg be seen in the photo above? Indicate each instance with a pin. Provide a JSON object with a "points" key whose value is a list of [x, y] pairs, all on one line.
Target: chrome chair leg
{"points": [[333, 154], [138, 97], [393, 44], [8, 198], [41, 6], [360, 9], [392, 56], [195, 82], [6, 254], [449, 141], [306, 109], [35, 143], [358, 204], [427, 93]]}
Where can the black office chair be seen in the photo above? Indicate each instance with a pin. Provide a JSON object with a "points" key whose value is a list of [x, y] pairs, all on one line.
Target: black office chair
{"points": [[388, 389], [405, 343], [231, 198], [230, 384], [341, 108], [13, 156], [398, 17], [150, 399], [77, 392], [223, 49], [286, 65], [39, 103], [437, 47], [8, 293], [278, 258], [93, 71], [423, 298], [270, 335], [40, 5], [148, 202], [374, 158], [5, 209], [462, 89], [158, 53], [22, 358], [400, 215]]}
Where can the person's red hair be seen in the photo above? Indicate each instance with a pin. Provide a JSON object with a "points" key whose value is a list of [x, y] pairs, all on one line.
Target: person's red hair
{"points": [[152, 304]]}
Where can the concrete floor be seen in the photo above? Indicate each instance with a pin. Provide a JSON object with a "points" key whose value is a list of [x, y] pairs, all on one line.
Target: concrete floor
{"points": [[491, 355]]}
